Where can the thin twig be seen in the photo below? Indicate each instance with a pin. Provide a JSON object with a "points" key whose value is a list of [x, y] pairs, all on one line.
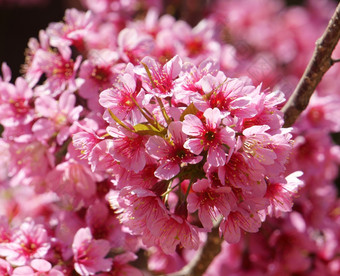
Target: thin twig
{"points": [[320, 62], [204, 256]]}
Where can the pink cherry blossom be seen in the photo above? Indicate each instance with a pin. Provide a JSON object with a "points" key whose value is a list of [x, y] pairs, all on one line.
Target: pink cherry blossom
{"points": [[159, 79], [60, 69], [256, 144], [209, 202], [131, 133], [281, 194], [37, 267], [30, 157], [267, 113], [5, 268], [170, 154], [197, 43], [139, 209], [237, 220], [321, 113], [271, 151], [74, 31], [16, 102], [89, 254], [29, 241], [210, 136], [97, 73], [124, 97], [103, 225], [229, 95], [121, 266], [174, 231], [189, 87], [57, 116], [242, 173], [164, 263], [5, 233], [85, 142], [72, 179], [132, 46], [128, 148]]}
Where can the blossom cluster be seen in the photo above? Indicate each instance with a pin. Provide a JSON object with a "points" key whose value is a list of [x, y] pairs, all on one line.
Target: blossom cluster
{"points": [[211, 143], [128, 134]]}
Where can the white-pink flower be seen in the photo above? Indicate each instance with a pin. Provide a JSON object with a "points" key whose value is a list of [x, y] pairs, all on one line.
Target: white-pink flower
{"points": [[57, 116], [29, 241], [16, 107]]}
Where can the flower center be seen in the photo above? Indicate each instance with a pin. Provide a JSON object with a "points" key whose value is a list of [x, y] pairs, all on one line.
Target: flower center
{"points": [[19, 106], [209, 135], [63, 69], [100, 74], [194, 46]]}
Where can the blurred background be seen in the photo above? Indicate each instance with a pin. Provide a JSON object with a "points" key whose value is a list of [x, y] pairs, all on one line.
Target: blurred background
{"points": [[22, 19]]}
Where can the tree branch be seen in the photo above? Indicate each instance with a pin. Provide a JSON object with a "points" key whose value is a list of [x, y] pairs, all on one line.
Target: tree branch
{"points": [[320, 62], [204, 257]]}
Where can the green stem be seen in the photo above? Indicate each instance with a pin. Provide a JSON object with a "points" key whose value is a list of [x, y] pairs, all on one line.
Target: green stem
{"points": [[151, 121], [118, 121], [165, 115]]}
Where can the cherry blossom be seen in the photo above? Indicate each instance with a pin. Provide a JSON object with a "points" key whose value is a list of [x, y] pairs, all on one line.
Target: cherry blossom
{"points": [[134, 134], [89, 254], [211, 136]]}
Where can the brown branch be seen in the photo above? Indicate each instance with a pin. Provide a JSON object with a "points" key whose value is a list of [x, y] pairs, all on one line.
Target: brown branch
{"points": [[320, 62], [204, 257]]}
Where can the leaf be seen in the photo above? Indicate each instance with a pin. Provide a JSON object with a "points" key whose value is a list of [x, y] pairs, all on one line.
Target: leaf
{"points": [[146, 129], [191, 109]]}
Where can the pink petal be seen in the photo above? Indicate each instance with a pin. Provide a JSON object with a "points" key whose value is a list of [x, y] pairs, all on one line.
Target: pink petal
{"points": [[194, 145], [46, 106], [216, 156], [67, 102], [6, 72], [41, 265], [213, 117], [167, 170], [43, 129], [129, 83], [82, 235], [23, 271], [231, 231], [177, 135], [173, 67], [192, 125], [157, 147]]}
